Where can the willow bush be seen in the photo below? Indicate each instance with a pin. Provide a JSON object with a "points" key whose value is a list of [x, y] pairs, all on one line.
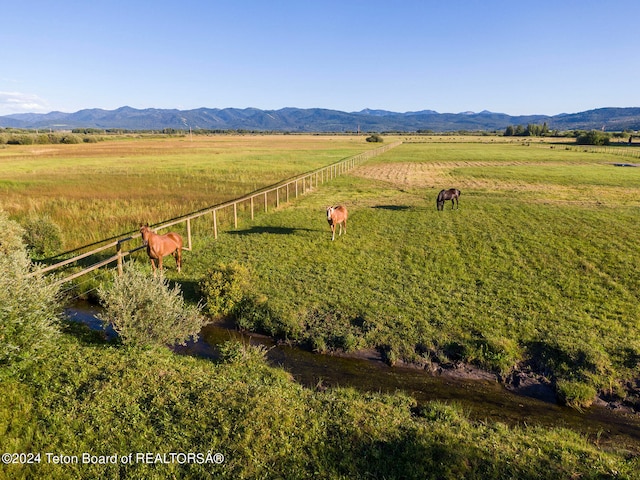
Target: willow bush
{"points": [[146, 311], [29, 304]]}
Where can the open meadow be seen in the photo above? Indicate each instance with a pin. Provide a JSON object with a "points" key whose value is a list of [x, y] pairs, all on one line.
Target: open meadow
{"points": [[535, 276], [536, 272], [99, 190]]}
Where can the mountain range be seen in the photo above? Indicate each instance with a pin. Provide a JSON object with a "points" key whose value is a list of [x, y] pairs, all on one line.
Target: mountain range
{"points": [[318, 120]]}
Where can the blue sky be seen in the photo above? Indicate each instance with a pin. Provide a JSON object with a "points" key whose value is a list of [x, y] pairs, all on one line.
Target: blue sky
{"points": [[541, 57]]}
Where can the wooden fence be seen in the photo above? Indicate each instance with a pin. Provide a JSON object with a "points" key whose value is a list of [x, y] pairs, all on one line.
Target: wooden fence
{"points": [[281, 192], [623, 151]]}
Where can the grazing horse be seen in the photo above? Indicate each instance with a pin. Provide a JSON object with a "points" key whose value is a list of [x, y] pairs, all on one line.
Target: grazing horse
{"points": [[159, 246], [452, 194], [337, 216]]}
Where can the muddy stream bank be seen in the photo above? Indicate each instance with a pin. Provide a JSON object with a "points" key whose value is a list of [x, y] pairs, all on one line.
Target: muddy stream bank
{"points": [[480, 395]]}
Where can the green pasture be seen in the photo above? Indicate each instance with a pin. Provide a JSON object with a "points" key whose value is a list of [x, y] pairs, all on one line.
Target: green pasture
{"points": [[527, 273], [537, 270]]}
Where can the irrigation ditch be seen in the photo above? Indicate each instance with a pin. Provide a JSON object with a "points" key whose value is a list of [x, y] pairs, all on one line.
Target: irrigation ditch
{"points": [[482, 398]]}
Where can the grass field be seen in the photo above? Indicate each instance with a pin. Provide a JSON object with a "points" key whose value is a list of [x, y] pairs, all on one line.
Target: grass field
{"points": [[536, 271], [99, 190]]}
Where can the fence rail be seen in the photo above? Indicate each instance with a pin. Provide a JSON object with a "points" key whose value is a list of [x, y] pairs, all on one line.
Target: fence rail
{"points": [[623, 151], [295, 186]]}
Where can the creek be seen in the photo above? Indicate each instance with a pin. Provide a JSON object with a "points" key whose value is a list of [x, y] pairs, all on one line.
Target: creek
{"points": [[482, 398]]}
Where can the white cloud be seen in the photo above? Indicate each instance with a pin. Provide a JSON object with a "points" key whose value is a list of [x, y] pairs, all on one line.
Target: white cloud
{"points": [[16, 102]]}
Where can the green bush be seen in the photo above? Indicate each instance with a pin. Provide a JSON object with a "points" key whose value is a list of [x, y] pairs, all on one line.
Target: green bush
{"points": [[146, 312], [20, 140], [70, 139], [375, 138], [224, 287], [593, 138], [29, 304], [43, 236]]}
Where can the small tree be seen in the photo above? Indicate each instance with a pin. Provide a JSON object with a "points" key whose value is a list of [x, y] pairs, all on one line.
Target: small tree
{"points": [[375, 138], [29, 304], [146, 312]]}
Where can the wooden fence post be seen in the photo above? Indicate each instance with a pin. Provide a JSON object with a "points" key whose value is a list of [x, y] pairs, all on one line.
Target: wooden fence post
{"points": [[235, 215], [189, 233], [119, 253], [215, 225]]}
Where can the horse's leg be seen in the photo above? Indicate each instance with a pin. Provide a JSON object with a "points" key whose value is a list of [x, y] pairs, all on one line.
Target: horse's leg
{"points": [[153, 267], [345, 227], [178, 257], [160, 265], [333, 232]]}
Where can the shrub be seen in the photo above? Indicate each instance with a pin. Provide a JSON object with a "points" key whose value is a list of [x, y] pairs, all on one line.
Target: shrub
{"points": [[29, 304], [11, 238], [224, 287], [593, 138], [146, 312], [43, 237], [375, 138], [20, 140], [70, 139]]}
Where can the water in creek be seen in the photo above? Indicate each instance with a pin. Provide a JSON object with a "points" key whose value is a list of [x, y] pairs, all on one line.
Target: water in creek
{"points": [[481, 399]]}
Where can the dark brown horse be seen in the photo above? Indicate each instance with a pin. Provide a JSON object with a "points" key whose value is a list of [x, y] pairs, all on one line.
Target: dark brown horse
{"points": [[337, 216], [159, 246], [452, 194]]}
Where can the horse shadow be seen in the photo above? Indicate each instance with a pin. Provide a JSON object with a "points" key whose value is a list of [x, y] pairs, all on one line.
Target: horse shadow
{"points": [[395, 208], [258, 229]]}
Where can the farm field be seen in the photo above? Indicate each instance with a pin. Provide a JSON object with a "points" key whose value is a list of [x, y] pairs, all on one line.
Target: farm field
{"points": [[99, 190], [536, 274]]}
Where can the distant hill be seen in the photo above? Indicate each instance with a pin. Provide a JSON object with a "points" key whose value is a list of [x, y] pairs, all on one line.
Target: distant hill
{"points": [[317, 120]]}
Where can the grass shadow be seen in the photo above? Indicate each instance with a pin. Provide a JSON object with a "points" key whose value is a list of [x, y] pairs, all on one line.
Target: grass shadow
{"points": [[258, 229], [395, 208]]}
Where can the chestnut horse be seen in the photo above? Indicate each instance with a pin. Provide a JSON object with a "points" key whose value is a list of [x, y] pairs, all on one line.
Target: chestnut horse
{"points": [[337, 216], [452, 194], [159, 246]]}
